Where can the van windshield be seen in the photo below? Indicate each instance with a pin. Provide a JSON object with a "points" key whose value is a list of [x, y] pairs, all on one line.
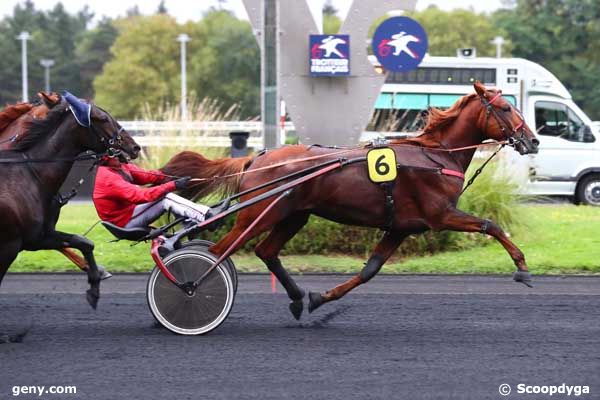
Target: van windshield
{"points": [[558, 120]]}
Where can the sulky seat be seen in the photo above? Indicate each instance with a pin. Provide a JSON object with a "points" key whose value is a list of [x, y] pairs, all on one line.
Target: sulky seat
{"points": [[133, 234]]}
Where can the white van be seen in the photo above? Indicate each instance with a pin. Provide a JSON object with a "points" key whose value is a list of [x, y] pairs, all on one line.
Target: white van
{"points": [[568, 162]]}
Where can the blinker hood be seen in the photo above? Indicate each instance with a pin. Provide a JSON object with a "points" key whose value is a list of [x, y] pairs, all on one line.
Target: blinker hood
{"points": [[81, 110]]}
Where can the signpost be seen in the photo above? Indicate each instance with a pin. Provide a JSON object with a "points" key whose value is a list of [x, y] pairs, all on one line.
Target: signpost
{"points": [[329, 55], [400, 43]]}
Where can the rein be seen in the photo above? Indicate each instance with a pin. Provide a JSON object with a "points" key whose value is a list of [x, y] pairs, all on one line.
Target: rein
{"points": [[267, 167], [10, 139]]}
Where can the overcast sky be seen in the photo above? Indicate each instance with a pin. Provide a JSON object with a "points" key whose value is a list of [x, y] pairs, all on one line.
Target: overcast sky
{"points": [[185, 10]]}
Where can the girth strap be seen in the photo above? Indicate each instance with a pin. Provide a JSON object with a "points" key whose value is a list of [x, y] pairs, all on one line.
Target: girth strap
{"points": [[388, 188]]}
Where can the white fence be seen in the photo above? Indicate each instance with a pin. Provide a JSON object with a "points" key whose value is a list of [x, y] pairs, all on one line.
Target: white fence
{"points": [[189, 133]]}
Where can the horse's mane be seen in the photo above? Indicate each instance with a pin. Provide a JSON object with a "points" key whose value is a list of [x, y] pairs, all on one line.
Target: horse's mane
{"points": [[13, 112], [438, 119], [39, 128]]}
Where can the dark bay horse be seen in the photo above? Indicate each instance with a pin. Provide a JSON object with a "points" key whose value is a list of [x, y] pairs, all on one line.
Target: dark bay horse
{"points": [[35, 168], [14, 124], [423, 199]]}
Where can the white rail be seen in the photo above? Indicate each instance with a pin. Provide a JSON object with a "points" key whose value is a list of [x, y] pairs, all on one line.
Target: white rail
{"points": [[191, 133]]}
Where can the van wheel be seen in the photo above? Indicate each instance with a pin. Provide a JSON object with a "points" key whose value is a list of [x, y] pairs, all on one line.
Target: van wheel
{"points": [[588, 190]]}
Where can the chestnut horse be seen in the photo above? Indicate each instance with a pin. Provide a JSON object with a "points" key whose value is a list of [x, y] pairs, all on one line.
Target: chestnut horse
{"points": [[15, 121], [424, 199], [34, 170]]}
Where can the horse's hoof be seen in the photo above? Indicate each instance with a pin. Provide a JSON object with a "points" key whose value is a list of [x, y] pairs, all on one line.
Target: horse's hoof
{"points": [[92, 296], [104, 274], [296, 308], [524, 277], [314, 301]]}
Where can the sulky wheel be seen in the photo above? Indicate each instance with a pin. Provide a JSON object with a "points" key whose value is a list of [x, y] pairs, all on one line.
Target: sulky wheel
{"points": [[204, 245], [200, 312]]}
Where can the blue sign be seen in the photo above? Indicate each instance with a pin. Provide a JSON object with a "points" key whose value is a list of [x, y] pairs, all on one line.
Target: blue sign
{"points": [[329, 55], [400, 43]]}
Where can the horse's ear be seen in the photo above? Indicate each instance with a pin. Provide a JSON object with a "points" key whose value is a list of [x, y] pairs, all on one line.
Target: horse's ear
{"points": [[479, 88], [49, 99]]}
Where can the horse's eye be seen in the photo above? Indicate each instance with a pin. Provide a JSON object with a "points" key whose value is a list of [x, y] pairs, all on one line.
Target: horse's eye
{"points": [[506, 109]]}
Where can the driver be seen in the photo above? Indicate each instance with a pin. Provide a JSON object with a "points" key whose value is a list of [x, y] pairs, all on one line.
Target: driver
{"points": [[120, 200]]}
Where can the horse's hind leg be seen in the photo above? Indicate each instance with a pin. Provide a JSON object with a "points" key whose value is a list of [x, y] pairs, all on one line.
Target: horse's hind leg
{"points": [[457, 220], [268, 250], [82, 263], [384, 249]]}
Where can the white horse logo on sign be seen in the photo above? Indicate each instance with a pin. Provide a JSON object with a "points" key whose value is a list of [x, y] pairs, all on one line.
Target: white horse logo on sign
{"points": [[330, 46], [400, 43]]}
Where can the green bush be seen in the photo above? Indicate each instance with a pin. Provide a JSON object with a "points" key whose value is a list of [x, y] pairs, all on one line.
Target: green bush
{"points": [[492, 196]]}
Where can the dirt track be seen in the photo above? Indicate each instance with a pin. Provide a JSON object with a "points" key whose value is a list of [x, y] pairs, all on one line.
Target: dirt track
{"points": [[397, 337]]}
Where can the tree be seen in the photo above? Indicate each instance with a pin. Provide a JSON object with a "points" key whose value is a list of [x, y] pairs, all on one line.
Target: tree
{"points": [[162, 9], [329, 9], [564, 37], [450, 30], [144, 67], [92, 52], [227, 67], [223, 63], [54, 35]]}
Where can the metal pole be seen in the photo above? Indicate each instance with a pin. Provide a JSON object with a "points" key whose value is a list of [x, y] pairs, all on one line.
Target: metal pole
{"points": [[498, 41], [269, 73], [183, 39], [47, 64], [24, 37]]}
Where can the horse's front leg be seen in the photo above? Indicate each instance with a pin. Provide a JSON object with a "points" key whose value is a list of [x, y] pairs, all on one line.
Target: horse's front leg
{"points": [[56, 240], [457, 220], [384, 249]]}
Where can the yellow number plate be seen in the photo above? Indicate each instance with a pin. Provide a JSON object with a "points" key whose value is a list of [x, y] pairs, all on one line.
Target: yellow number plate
{"points": [[381, 164]]}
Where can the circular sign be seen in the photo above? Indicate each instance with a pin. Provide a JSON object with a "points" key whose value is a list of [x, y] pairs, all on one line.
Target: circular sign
{"points": [[400, 43]]}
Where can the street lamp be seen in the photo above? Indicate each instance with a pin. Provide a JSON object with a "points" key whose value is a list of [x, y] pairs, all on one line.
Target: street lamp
{"points": [[183, 39], [24, 37], [47, 64], [498, 41]]}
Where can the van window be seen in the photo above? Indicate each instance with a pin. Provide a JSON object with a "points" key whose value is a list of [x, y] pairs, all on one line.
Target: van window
{"points": [[405, 112], [558, 120]]}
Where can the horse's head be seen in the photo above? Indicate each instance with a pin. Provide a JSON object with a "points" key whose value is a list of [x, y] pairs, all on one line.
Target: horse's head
{"points": [[502, 121], [103, 133]]}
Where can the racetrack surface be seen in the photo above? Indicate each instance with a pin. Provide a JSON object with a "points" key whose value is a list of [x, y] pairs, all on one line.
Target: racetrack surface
{"points": [[398, 337]]}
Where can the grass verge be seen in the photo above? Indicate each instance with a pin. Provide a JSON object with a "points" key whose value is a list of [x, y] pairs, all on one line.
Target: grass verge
{"points": [[556, 239]]}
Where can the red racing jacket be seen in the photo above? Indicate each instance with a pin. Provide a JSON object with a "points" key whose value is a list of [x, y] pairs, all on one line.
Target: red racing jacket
{"points": [[116, 192]]}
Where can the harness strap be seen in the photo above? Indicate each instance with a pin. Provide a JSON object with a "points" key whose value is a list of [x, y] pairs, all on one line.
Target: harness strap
{"points": [[451, 172], [388, 188]]}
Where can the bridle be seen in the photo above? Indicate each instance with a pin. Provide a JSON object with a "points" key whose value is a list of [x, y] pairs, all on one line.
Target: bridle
{"points": [[112, 143], [512, 134]]}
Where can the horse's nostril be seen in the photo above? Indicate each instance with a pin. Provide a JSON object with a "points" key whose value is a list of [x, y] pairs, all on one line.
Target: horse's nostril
{"points": [[535, 142], [136, 148]]}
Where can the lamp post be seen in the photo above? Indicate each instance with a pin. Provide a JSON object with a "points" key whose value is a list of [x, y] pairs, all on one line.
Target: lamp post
{"points": [[183, 39], [498, 41], [47, 64], [24, 37]]}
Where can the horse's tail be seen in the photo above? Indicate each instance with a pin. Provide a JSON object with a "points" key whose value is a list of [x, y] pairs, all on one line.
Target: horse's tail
{"points": [[189, 163]]}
